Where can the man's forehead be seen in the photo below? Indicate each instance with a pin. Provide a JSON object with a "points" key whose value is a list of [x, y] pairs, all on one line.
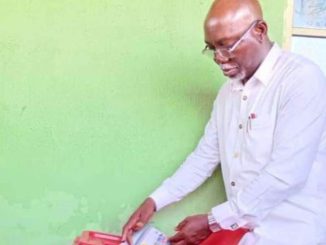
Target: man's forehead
{"points": [[216, 23], [219, 29], [229, 16]]}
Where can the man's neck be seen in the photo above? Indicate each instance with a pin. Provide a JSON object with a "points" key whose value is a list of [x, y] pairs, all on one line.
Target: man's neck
{"points": [[265, 50]]}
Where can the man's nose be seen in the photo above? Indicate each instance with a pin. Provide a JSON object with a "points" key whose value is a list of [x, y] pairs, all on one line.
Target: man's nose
{"points": [[220, 59]]}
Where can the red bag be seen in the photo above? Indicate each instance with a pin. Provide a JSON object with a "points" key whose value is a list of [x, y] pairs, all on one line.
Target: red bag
{"points": [[97, 238], [225, 237]]}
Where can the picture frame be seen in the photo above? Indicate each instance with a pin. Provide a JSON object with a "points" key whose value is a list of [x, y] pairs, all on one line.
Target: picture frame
{"points": [[306, 18], [309, 14]]}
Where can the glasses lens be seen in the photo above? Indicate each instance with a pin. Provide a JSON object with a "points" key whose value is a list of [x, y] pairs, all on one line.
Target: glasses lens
{"points": [[210, 53], [223, 52]]}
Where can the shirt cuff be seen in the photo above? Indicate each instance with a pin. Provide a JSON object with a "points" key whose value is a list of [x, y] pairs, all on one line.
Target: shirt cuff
{"points": [[227, 218], [162, 198]]}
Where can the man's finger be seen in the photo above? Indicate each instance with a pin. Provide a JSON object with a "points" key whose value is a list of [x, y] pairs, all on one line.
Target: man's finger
{"points": [[127, 231], [129, 237], [180, 225], [177, 237], [182, 242], [129, 226], [124, 234]]}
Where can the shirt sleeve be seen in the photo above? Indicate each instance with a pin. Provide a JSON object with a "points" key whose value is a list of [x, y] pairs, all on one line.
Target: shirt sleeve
{"points": [[300, 125], [198, 166]]}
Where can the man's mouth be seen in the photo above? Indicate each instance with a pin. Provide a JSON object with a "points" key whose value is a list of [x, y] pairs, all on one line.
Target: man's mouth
{"points": [[230, 71]]}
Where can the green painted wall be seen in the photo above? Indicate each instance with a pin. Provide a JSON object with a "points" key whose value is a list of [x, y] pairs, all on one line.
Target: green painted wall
{"points": [[100, 100]]}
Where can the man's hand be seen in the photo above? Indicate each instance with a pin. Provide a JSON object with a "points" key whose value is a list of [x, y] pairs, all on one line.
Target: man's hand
{"points": [[192, 230], [138, 219]]}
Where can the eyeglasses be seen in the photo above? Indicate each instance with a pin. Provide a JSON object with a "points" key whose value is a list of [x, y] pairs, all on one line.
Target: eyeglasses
{"points": [[227, 52]]}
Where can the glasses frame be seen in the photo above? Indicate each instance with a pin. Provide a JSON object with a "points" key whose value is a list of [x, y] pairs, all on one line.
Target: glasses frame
{"points": [[227, 52]]}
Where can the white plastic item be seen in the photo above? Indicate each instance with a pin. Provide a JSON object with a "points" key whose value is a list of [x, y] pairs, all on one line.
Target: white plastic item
{"points": [[149, 236]]}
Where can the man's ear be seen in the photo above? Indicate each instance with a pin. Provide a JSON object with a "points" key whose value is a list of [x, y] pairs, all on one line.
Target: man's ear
{"points": [[260, 30]]}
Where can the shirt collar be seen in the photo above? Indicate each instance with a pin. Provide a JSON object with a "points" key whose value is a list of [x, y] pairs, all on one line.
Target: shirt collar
{"points": [[265, 70]]}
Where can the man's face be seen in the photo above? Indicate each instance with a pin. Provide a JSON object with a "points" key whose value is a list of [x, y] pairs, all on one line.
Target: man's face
{"points": [[243, 58]]}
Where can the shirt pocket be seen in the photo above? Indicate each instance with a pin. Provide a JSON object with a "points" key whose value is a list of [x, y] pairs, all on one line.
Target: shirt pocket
{"points": [[259, 138], [261, 122]]}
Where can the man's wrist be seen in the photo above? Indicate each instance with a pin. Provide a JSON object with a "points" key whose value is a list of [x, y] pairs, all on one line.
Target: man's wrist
{"points": [[212, 223]]}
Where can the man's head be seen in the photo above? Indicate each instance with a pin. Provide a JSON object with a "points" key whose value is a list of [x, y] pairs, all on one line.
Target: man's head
{"points": [[236, 31]]}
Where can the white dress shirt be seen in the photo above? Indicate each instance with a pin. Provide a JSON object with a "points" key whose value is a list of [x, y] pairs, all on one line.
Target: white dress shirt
{"points": [[269, 137]]}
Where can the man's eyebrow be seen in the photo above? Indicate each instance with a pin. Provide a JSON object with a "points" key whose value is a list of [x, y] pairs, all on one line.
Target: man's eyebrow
{"points": [[219, 42]]}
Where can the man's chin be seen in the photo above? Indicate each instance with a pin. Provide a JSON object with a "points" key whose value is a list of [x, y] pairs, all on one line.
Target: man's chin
{"points": [[231, 73], [234, 74]]}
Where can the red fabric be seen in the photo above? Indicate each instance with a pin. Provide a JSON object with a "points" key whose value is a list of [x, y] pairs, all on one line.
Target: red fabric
{"points": [[97, 238], [225, 237]]}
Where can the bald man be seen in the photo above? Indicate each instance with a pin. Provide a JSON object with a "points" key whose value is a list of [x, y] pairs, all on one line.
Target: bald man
{"points": [[267, 130]]}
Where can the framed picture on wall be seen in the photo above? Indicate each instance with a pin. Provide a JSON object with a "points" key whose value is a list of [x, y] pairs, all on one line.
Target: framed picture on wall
{"points": [[309, 14], [304, 18], [305, 28]]}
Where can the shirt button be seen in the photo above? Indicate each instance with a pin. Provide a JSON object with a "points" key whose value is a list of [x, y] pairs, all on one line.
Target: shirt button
{"points": [[233, 183], [234, 226], [236, 155], [245, 97], [240, 126]]}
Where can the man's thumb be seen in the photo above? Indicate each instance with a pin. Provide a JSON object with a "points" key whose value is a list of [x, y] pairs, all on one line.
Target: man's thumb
{"points": [[139, 225]]}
